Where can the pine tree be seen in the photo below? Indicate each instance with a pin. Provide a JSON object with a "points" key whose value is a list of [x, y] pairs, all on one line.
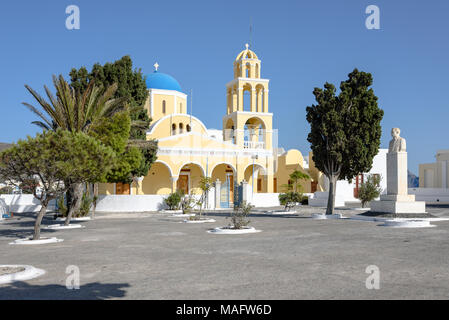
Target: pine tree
{"points": [[345, 130]]}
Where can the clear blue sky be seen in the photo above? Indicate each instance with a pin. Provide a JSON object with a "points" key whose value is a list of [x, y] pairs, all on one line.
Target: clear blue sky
{"points": [[302, 44]]}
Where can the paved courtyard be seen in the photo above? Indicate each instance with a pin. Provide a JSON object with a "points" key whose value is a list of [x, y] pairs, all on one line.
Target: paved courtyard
{"points": [[153, 256]]}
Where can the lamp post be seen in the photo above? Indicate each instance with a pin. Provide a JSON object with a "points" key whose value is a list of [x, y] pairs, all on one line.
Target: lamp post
{"points": [[254, 157]]}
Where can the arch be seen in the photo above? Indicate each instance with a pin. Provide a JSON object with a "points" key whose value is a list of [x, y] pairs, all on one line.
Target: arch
{"points": [[259, 98], [188, 129], [257, 70], [228, 131], [254, 134], [260, 175], [247, 96], [189, 180], [173, 129], [181, 128], [159, 179], [166, 164], [247, 70], [259, 166], [223, 163], [203, 172]]}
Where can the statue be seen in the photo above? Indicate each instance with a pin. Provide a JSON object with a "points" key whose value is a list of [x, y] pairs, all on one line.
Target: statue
{"points": [[397, 144]]}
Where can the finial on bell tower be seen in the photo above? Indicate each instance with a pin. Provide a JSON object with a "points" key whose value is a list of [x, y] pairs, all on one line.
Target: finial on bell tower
{"points": [[247, 46]]}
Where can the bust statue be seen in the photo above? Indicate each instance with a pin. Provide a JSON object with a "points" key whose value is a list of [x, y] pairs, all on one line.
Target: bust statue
{"points": [[397, 144]]}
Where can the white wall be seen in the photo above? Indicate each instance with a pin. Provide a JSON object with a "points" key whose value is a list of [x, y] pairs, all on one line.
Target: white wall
{"points": [[265, 200], [18, 203], [136, 203], [430, 194], [345, 190], [130, 203]]}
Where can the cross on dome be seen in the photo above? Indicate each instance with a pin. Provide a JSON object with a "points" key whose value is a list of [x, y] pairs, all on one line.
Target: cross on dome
{"points": [[156, 66], [247, 46]]}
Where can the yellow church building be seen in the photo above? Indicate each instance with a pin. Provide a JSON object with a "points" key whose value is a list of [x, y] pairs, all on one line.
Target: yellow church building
{"points": [[244, 150]]}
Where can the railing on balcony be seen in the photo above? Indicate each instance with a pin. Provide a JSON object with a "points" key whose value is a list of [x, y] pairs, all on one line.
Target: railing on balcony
{"points": [[254, 145]]}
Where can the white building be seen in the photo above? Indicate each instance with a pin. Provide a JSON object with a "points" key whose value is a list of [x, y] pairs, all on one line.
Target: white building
{"points": [[347, 191]]}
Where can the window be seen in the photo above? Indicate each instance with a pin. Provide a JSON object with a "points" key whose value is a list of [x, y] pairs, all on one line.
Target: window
{"points": [[259, 185], [164, 109], [188, 128], [181, 128], [173, 129]]}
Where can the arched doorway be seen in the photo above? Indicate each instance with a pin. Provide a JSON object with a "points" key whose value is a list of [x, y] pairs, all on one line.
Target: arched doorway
{"points": [[225, 173], [158, 180], [256, 178], [189, 178]]}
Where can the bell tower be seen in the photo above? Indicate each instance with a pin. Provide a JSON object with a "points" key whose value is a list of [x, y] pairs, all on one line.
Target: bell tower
{"points": [[247, 122], [247, 80]]}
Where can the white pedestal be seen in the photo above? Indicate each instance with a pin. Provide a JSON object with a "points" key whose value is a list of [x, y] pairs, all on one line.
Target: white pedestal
{"points": [[397, 200], [397, 183], [385, 206]]}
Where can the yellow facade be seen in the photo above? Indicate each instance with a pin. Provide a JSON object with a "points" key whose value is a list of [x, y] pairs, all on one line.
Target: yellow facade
{"points": [[242, 150]]}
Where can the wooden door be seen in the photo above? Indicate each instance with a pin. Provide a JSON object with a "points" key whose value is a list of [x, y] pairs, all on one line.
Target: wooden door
{"points": [[183, 183], [122, 188]]}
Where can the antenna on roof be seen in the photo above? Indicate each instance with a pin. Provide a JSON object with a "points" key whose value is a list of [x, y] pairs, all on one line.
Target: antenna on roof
{"points": [[250, 30]]}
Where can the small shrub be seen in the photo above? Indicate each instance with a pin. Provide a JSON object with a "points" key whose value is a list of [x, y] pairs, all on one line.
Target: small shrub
{"points": [[369, 190], [240, 214], [289, 199], [86, 203], [173, 200], [305, 201], [187, 203], [62, 208]]}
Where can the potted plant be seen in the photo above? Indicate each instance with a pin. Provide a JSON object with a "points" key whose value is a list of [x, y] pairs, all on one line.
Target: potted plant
{"points": [[239, 219]]}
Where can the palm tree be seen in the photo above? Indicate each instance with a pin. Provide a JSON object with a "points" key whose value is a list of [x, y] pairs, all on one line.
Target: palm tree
{"points": [[74, 111]]}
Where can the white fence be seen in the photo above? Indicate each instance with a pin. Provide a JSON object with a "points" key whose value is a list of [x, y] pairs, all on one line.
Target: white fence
{"points": [[18, 203], [430, 194]]}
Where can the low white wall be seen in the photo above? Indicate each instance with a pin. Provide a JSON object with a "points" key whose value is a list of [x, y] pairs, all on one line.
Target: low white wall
{"points": [[430, 194], [130, 203], [320, 199], [18, 203], [265, 200]]}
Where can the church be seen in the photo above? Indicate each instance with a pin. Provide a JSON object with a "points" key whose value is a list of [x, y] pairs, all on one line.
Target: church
{"points": [[244, 150]]}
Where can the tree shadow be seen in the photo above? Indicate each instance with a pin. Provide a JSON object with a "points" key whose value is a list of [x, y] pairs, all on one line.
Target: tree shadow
{"points": [[22, 233], [89, 291]]}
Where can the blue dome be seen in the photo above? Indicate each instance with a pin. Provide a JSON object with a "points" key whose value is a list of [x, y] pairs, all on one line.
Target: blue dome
{"points": [[158, 80]]}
